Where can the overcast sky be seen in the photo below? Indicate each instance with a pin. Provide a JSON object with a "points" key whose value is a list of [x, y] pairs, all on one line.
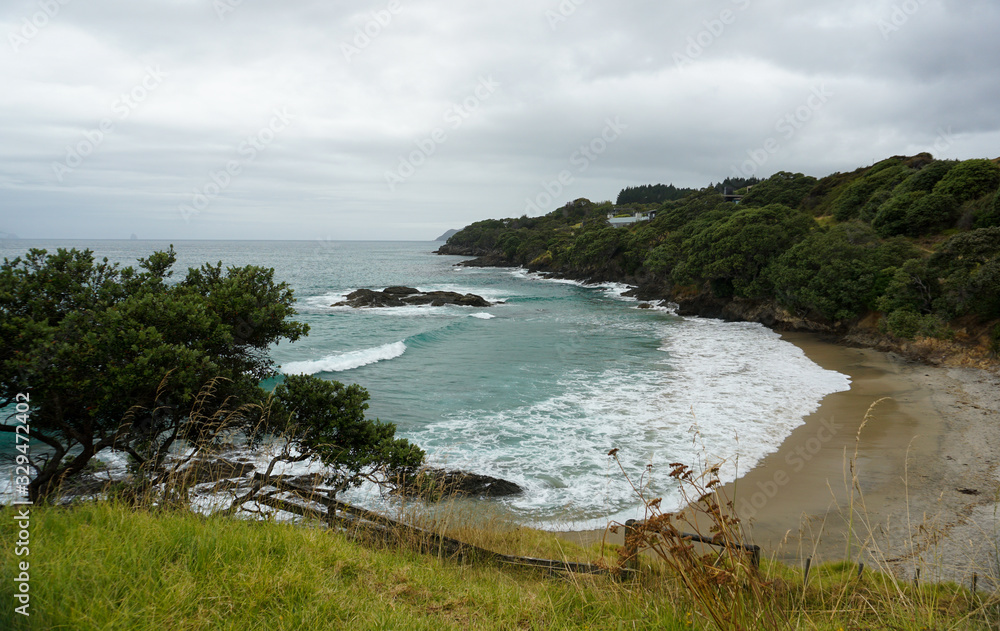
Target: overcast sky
{"points": [[261, 119]]}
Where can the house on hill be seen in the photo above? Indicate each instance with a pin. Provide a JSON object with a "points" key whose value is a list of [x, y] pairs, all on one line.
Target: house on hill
{"points": [[620, 220], [730, 195]]}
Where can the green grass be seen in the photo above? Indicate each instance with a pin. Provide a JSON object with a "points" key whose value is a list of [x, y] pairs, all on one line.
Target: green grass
{"points": [[101, 566], [109, 566]]}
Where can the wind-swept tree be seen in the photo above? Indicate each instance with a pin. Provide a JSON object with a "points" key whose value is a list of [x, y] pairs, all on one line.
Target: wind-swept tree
{"points": [[114, 358]]}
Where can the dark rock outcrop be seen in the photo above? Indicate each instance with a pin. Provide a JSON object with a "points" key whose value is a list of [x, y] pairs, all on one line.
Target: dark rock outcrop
{"points": [[435, 484], [399, 296]]}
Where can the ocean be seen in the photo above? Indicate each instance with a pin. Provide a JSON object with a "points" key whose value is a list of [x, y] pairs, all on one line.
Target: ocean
{"points": [[536, 389]]}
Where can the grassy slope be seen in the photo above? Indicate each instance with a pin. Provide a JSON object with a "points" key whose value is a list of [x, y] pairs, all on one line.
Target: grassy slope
{"points": [[106, 567], [100, 566]]}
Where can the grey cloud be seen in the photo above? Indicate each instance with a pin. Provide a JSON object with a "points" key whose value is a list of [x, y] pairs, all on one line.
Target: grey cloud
{"points": [[369, 85]]}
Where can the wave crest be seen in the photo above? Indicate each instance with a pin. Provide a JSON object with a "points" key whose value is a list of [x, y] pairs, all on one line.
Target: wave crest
{"points": [[345, 361]]}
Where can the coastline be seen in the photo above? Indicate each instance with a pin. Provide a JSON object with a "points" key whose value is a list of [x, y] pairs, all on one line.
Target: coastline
{"points": [[927, 477]]}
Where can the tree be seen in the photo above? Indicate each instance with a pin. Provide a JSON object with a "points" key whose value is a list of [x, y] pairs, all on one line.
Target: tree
{"points": [[926, 178], [114, 358], [781, 188], [327, 419], [893, 216], [970, 180], [968, 265], [837, 274], [732, 252]]}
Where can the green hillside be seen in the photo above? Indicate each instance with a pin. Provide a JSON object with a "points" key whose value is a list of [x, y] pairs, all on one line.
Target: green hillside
{"points": [[908, 248]]}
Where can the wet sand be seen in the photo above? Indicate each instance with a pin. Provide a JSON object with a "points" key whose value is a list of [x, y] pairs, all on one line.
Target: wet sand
{"points": [[917, 487]]}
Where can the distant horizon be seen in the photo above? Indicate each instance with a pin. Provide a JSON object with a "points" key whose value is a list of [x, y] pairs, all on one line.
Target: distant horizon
{"points": [[184, 240]]}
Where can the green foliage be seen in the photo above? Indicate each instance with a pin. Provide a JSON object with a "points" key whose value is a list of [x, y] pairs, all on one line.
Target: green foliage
{"points": [[836, 274], [990, 215], [932, 213], [915, 214], [885, 175], [962, 278], [763, 249], [676, 215], [968, 266], [784, 188], [913, 287], [115, 358], [737, 248], [892, 216], [907, 324], [734, 183], [820, 199], [651, 194], [480, 235], [327, 419], [926, 178], [970, 180]]}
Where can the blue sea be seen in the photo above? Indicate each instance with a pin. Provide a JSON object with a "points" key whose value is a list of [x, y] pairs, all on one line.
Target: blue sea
{"points": [[538, 388]]}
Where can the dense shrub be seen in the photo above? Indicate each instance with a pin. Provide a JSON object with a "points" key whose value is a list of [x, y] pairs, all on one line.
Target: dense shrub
{"points": [[893, 216], [931, 213], [736, 249], [884, 176], [907, 324], [990, 215], [781, 188], [970, 180], [926, 178], [837, 274], [968, 266], [912, 287]]}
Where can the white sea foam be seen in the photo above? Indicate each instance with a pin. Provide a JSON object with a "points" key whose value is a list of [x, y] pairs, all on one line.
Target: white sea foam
{"points": [[350, 360], [729, 393], [615, 290], [482, 316]]}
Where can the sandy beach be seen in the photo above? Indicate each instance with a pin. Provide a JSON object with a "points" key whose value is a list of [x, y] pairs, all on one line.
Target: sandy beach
{"points": [[925, 483]]}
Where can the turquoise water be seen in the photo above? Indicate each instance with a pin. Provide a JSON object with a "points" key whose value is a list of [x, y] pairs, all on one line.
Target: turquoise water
{"points": [[539, 388]]}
